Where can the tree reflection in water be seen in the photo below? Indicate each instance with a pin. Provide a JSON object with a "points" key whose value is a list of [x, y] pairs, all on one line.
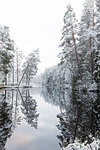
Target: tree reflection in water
{"points": [[79, 116], [5, 120], [29, 108], [12, 104]]}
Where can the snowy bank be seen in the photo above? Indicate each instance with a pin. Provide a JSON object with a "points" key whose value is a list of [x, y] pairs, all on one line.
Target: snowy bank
{"points": [[95, 145]]}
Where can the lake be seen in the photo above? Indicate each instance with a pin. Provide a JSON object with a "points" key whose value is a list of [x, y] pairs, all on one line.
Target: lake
{"points": [[27, 121], [47, 118]]}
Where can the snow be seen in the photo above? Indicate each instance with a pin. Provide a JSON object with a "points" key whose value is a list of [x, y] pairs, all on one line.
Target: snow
{"points": [[95, 145]]}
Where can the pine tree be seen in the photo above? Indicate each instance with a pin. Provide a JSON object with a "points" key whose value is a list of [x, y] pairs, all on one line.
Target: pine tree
{"points": [[6, 52], [69, 37], [87, 41], [30, 66], [97, 52]]}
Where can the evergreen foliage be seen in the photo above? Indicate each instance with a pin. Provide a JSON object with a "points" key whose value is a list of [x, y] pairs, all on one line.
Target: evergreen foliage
{"points": [[78, 75], [97, 52], [30, 66], [6, 52]]}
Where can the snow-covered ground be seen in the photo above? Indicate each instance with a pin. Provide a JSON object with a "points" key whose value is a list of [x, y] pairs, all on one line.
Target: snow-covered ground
{"points": [[95, 145]]}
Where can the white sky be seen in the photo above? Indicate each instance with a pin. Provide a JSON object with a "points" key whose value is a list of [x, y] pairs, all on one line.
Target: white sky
{"points": [[37, 24]]}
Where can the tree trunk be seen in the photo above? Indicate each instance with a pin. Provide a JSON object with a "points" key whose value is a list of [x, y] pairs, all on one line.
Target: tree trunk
{"points": [[92, 47], [17, 68], [24, 73], [75, 49], [77, 121], [91, 55], [13, 75], [6, 80]]}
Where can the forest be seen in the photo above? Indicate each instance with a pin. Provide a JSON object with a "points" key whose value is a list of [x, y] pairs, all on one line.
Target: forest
{"points": [[73, 84], [15, 69], [79, 64]]}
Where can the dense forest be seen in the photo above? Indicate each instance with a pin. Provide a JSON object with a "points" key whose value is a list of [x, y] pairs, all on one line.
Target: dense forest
{"points": [[79, 63], [74, 83]]}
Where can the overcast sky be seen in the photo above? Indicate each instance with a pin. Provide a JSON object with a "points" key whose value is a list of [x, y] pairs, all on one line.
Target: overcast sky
{"points": [[37, 24]]}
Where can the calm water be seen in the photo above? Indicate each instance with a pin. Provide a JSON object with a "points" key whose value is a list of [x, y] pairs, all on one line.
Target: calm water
{"points": [[47, 118], [27, 121]]}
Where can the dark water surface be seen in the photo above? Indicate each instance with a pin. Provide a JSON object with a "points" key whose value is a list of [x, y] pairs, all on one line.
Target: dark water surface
{"points": [[27, 121]]}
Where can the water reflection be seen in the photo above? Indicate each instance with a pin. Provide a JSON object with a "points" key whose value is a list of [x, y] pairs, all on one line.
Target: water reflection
{"points": [[16, 105], [29, 108], [79, 116], [57, 96], [5, 120]]}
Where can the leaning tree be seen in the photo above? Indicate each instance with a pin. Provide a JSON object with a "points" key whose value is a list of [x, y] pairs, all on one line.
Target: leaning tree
{"points": [[30, 67]]}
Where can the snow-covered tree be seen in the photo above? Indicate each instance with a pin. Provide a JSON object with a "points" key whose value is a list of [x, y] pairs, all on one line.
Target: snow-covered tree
{"points": [[87, 37], [30, 66], [97, 52], [57, 77], [6, 52], [87, 45], [69, 39], [18, 65]]}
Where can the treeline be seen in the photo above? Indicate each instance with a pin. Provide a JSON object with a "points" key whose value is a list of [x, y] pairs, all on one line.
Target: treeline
{"points": [[79, 116], [57, 76], [13, 64], [79, 64], [74, 84]]}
